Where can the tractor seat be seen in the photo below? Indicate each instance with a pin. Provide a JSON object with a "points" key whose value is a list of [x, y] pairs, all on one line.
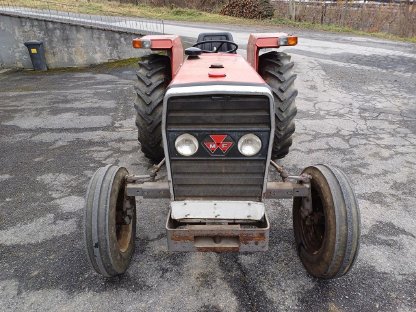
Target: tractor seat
{"points": [[215, 36]]}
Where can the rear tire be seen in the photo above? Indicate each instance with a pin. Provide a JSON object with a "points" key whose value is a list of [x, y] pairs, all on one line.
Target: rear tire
{"points": [[276, 70], [109, 222], [153, 77], [328, 238]]}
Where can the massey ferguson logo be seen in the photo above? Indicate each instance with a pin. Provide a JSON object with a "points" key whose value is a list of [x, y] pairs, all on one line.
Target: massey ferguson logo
{"points": [[218, 142]]}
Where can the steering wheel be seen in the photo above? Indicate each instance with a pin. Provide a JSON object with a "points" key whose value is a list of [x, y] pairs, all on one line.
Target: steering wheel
{"points": [[221, 42]]}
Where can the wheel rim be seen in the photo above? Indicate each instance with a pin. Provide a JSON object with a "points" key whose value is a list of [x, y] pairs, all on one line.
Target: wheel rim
{"points": [[313, 225], [123, 222]]}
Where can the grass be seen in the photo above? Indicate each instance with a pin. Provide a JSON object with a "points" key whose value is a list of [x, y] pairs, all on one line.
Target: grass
{"points": [[103, 7], [98, 67]]}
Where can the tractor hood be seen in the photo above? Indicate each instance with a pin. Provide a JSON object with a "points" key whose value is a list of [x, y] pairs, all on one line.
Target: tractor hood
{"points": [[216, 68]]}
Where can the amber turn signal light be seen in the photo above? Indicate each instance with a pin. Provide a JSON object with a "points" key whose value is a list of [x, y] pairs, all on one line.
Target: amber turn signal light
{"points": [[288, 41], [292, 40]]}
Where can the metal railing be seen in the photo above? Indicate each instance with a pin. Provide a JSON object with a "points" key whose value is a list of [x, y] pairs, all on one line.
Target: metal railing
{"points": [[69, 13]]}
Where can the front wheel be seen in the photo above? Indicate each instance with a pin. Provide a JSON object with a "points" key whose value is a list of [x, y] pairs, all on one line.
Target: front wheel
{"points": [[109, 221], [327, 234]]}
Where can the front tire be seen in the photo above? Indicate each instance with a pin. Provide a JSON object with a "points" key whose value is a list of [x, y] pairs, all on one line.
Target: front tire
{"points": [[153, 78], [109, 222], [328, 238], [276, 70]]}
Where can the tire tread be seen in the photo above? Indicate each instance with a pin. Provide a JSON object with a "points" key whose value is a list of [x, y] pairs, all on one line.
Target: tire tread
{"points": [[276, 69], [153, 78]]}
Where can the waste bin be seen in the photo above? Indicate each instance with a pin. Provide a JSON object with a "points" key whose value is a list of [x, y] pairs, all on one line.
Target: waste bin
{"points": [[37, 54]]}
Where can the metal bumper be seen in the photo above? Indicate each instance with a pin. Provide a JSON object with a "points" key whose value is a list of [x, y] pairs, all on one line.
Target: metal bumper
{"points": [[217, 237], [197, 211], [212, 228]]}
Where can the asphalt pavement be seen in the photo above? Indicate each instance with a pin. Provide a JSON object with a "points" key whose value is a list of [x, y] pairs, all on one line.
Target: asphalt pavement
{"points": [[356, 110]]}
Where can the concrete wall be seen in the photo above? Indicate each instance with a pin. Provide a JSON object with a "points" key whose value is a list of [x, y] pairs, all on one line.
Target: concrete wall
{"points": [[66, 45]]}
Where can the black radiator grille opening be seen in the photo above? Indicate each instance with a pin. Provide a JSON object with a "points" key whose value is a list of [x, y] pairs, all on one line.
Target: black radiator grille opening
{"points": [[221, 112], [219, 178]]}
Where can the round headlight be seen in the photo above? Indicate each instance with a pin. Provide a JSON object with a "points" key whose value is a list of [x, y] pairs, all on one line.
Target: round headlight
{"points": [[249, 144], [186, 144]]}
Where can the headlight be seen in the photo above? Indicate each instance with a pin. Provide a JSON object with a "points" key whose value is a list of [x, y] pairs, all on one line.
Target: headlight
{"points": [[249, 144], [186, 144]]}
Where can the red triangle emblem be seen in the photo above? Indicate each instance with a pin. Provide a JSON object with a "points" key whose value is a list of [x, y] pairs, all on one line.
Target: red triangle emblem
{"points": [[218, 138], [212, 146]]}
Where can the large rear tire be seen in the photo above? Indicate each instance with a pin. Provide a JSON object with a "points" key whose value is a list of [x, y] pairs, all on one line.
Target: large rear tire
{"points": [[276, 70], [328, 237], [153, 77], [109, 222]]}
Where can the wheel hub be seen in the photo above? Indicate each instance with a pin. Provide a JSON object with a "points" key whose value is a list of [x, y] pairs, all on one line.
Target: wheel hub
{"points": [[313, 223], [124, 214]]}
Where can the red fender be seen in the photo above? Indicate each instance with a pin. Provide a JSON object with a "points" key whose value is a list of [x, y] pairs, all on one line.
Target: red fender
{"points": [[171, 43], [266, 40]]}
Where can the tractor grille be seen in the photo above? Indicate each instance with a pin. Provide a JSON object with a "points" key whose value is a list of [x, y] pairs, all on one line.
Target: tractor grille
{"points": [[232, 176], [218, 112]]}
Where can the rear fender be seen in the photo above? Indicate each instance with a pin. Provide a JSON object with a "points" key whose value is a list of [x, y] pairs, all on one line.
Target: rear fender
{"points": [[266, 40], [170, 43]]}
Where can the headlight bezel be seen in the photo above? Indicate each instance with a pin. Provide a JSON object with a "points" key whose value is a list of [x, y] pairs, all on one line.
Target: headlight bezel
{"points": [[186, 136], [250, 136]]}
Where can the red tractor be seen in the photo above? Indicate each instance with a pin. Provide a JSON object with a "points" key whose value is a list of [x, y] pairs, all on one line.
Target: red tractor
{"points": [[218, 122]]}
